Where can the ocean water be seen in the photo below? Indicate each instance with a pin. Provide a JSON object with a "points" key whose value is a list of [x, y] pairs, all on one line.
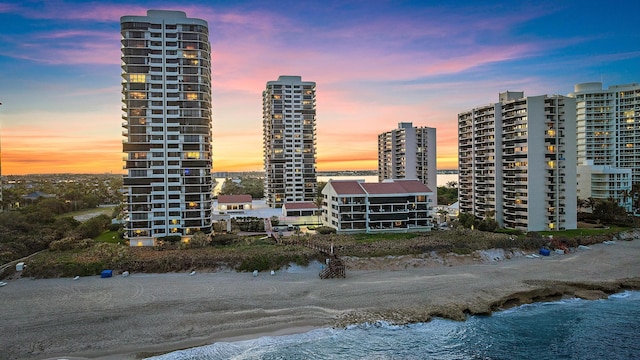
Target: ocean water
{"points": [[566, 329]]}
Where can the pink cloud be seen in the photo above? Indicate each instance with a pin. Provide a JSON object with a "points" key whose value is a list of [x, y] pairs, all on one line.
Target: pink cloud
{"points": [[81, 11], [8, 8], [69, 47], [364, 72], [75, 34], [83, 54]]}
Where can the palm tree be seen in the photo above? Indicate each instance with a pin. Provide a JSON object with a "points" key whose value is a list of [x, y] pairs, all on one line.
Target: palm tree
{"points": [[582, 204], [318, 202], [443, 214], [635, 196], [591, 203]]}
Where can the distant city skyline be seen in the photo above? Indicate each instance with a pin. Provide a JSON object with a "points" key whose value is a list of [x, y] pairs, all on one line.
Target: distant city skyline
{"points": [[375, 64]]}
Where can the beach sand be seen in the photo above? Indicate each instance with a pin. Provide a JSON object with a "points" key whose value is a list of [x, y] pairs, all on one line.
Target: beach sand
{"points": [[146, 314]]}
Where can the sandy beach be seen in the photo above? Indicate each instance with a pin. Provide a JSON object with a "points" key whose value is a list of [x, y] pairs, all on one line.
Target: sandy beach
{"points": [[145, 314]]}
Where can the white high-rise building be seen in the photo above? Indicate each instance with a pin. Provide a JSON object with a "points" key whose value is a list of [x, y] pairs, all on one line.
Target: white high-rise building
{"points": [[166, 95], [289, 141], [517, 162], [605, 182], [608, 135], [409, 152]]}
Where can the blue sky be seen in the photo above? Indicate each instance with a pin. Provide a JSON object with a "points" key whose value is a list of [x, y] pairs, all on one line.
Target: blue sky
{"points": [[376, 63]]}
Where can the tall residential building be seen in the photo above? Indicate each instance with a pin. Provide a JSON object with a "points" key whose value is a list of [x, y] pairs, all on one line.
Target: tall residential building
{"points": [[517, 162], [608, 132], [409, 152], [166, 95], [289, 141]]}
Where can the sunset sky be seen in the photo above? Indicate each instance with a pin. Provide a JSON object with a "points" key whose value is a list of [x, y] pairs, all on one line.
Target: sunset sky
{"points": [[375, 63]]}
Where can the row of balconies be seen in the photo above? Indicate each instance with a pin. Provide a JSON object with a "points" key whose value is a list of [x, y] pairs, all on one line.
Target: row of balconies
{"points": [[189, 227], [137, 214], [412, 217]]}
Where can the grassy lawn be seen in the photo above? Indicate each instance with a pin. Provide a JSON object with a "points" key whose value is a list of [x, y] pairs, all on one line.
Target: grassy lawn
{"points": [[83, 215], [365, 238], [586, 231], [109, 237]]}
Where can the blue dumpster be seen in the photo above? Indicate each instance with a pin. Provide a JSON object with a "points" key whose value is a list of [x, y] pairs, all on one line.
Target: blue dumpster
{"points": [[545, 252], [106, 273]]}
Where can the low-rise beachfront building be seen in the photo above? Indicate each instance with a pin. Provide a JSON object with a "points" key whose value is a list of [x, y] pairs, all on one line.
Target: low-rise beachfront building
{"points": [[229, 204], [605, 182], [302, 213], [303, 208], [352, 206]]}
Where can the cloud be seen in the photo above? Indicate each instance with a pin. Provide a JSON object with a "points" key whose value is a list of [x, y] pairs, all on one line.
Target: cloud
{"points": [[374, 65], [87, 11]]}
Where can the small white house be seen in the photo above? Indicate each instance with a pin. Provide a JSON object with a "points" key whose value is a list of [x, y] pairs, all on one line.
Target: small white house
{"points": [[229, 204]]}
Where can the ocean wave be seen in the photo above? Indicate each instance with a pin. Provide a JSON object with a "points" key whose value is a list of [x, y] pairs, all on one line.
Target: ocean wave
{"points": [[376, 324], [245, 349], [625, 294], [550, 330]]}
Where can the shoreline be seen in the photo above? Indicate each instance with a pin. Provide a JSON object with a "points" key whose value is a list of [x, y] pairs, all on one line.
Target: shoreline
{"points": [[154, 314], [294, 330]]}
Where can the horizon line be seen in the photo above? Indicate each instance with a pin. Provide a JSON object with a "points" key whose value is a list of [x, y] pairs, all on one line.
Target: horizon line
{"points": [[213, 172]]}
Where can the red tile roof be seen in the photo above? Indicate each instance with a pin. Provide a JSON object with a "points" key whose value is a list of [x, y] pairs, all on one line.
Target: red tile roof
{"points": [[347, 187], [383, 188], [234, 199], [413, 186], [300, 205], [396, 187], [352, 187]]}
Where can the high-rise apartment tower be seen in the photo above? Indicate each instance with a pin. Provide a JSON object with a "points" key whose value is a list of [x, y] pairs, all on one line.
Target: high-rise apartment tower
{"points": [[608, 139], [289, 140], [608, 124], [517, 162], [166, 95], [409, 152]]}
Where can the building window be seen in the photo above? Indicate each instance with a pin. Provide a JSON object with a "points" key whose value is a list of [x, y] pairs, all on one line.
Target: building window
{"points": [[137, 78]]}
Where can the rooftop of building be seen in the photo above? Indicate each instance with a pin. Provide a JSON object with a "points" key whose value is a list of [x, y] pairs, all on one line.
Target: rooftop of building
{"points": [[302, 205], [258, 209], [390, 187], [234, 199]]}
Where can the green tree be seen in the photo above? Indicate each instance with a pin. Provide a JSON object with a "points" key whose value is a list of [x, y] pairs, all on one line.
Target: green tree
{"points": [[466, 220], [92, 227], [581, 204], [487, 224], [635, 196], [199, 240], [250, 185], [609, 212], [448, 194], [230, 187], [53, 205], [321, 185]]}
